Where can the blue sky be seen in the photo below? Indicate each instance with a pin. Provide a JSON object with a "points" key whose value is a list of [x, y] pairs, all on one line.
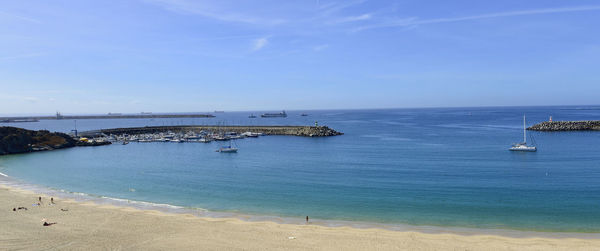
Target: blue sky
{"points": [[187, 55]]}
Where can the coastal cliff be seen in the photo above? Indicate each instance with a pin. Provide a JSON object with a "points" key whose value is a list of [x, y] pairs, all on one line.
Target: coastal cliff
{"points": [[19, 140], [306, 131], [589, 125]]}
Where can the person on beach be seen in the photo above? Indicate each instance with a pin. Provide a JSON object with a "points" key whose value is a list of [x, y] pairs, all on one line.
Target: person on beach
{"points": [[40, 199], [307, 219], [48, 224], [52, 200], [14, 209]]}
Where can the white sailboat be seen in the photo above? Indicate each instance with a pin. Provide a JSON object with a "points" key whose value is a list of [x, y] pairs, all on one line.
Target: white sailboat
{"points": [[523, 147]]}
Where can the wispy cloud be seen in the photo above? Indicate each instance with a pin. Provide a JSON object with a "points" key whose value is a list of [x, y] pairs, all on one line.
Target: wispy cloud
{"points": [[259, 43], [406, 22], [212, 10], [19, 17], [362, 17], [31, 99], [27, 55], [320, 47], [333, 7]]}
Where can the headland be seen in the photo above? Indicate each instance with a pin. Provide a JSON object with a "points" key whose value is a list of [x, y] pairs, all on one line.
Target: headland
{"points": [[18, 140]]}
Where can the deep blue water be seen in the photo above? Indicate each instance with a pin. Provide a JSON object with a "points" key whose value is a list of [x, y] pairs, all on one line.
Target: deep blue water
{"points": [[439, 167]]}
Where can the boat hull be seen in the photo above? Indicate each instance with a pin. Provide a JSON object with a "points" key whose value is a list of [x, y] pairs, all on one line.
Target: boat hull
{"points": [[228, 150], [523, 149]]}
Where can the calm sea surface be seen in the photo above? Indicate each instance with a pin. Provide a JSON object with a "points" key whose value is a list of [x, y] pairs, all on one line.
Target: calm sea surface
{"points": [[435, 167]]}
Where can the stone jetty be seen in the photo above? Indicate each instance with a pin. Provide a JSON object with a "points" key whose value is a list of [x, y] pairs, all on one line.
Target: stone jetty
{"points": [[588, 125], [306, 131]]}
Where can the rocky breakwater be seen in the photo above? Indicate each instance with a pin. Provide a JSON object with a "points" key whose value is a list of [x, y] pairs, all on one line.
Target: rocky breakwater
{"points": [[316, 131], [306, 131], [18, 140], [589, 125]]}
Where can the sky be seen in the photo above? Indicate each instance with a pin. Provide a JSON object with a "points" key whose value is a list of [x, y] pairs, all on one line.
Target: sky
{"points": [[129, 56]]}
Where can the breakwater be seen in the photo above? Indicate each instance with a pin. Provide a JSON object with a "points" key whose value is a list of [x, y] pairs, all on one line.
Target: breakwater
{"points": [[109, 116], [588, 125], [306, 131]]}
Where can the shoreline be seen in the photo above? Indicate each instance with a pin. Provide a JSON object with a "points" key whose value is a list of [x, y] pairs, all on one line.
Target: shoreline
{"points": [[7, 182], [93, 226]]}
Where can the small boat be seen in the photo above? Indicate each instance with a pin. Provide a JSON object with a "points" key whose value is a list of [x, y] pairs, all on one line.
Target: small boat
{"points": [[252, 116], [125, 142], [204, 140], [282, 114], [227, 149], [250, 134], [221, 138], [303, 114], [523, 147]]}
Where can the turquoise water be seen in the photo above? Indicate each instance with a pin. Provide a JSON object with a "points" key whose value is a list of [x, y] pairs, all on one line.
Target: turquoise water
{"points": [[434, 167]]}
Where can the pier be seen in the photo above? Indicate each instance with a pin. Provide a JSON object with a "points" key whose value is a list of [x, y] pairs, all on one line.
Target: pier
{"points": [[58, 116], [587, 125], [306, 131]]}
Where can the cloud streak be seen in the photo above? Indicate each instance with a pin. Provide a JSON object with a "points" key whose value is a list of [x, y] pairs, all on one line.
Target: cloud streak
{"points": [[28, 55], [209, 10], [362, 17], [19, 17], [416, 21]]}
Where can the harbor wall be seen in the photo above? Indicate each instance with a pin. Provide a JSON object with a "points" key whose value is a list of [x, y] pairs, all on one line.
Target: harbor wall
{"points": [[306, 131], [589, 125], [125, 116]]}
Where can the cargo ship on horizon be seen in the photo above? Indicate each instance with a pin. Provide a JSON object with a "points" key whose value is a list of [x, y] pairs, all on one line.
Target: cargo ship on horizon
{"points": [[282, 114]]}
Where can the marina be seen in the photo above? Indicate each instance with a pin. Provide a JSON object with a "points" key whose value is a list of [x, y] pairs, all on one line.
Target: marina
{"points": [[174, 137]]}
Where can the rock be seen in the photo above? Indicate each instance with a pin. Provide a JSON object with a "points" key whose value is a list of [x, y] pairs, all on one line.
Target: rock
{"points": [[19, 140]]}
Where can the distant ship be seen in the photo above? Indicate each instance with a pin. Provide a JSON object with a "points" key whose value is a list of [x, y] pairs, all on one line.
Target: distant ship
{"points": [[303, 114], [523, 147], [251, 116], [282, 114]]}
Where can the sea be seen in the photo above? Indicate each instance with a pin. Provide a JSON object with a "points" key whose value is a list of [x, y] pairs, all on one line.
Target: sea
{"points": [[403, 168]]}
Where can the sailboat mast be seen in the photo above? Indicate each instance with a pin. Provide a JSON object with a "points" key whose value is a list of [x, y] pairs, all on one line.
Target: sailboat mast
{"points": [[524, 137]]}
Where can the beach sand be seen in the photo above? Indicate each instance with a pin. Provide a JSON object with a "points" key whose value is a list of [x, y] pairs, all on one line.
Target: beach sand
{"points": [[101, 227]]}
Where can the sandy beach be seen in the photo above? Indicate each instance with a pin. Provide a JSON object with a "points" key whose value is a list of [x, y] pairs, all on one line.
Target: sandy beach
{"points": [[87, 226]]}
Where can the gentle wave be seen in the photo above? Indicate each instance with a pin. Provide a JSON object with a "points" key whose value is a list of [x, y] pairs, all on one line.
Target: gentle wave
{"points": [[200, 212]]}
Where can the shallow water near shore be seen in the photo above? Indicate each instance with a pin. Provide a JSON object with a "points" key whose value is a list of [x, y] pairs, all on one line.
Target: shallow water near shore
{"points": [[425, 167]]}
